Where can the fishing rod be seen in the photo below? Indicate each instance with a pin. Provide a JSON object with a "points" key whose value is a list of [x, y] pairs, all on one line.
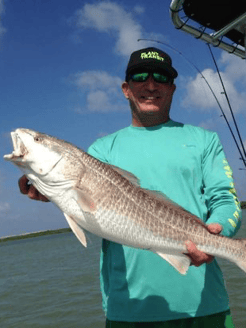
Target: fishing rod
{"points": [[221, 109], [229, 104]]}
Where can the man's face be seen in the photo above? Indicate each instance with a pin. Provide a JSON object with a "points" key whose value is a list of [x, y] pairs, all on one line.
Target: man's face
{"points": [[150, 100]]}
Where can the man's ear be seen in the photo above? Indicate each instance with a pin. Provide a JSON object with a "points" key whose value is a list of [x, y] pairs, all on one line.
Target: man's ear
{"points": [[125, 88]]}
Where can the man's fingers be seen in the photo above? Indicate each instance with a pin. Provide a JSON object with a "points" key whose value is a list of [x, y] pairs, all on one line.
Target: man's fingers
{"points": [[33, 193], [197, 257], [215, 228], [43, 198], [23, 185], [28, 189]]}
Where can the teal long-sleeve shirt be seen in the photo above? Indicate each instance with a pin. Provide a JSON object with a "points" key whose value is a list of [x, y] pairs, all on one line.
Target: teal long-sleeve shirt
{"points": [[187, 164]]}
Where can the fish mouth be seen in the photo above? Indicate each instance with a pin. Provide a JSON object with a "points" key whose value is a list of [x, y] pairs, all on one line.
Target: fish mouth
{"points": [[19, 148]]}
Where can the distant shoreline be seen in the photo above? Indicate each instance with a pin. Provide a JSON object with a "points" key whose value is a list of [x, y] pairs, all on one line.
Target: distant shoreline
{"points": [[53, 232], [243, 205], [35, 234]]}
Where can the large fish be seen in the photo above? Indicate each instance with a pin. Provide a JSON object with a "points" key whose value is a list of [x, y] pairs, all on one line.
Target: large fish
{"points": [[109, 202]]}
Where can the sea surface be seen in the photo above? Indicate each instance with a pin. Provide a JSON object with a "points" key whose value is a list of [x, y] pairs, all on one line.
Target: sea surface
{"points": [[53, 281]]}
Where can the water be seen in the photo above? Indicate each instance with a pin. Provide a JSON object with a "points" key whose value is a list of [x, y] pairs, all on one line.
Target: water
{"points": [[53, 281], [236, 284], [50, 281]]}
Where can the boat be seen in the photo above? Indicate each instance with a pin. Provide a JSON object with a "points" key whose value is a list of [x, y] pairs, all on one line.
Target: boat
{"points": [[221, 23]]}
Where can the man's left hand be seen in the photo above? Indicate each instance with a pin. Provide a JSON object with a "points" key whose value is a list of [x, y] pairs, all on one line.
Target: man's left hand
{"points": [[197, 257]]}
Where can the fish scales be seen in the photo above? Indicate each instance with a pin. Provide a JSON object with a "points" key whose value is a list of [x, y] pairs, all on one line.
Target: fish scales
{"points": [[108, 201], [146, 204]]}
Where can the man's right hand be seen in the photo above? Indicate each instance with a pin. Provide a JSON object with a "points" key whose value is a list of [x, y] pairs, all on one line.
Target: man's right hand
{"points": [[28, 189]]}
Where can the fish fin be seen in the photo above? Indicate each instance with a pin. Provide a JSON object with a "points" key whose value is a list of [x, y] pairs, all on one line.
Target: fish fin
{"points": [[128, 175], [179, 262], [169, 202], [158, 194], [241, 265], [77, 230], [84, 200]]}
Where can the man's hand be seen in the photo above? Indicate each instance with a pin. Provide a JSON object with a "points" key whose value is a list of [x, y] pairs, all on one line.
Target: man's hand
{"points": [[29, 190], [197, 257]]}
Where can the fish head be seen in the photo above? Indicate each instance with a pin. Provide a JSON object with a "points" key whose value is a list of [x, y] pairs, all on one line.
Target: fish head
{"points": [[34, 152]]}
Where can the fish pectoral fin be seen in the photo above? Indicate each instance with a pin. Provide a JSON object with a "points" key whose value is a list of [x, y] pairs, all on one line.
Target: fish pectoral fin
{"points": [[77, 230], [179, 262], [84, 200]]}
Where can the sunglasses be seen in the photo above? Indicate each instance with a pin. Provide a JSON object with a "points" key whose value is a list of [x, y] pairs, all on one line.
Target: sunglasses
{"points": [[157, 77]]}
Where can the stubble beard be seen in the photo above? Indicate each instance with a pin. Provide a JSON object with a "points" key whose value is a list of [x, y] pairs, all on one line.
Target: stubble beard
{"points": [[149, 117]]}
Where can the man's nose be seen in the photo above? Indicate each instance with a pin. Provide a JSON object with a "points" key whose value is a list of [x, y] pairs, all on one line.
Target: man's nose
{"points": [[151, 84]]}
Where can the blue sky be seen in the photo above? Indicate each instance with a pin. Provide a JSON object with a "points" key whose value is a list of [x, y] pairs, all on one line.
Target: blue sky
{"points": [[62, 64]]}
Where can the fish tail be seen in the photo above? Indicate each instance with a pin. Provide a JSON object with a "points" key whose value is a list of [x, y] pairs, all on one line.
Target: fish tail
{"points": [[242, 263]]}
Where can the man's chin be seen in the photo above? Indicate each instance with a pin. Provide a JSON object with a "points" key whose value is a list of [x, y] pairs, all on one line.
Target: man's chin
{"points": [[149, 110]]}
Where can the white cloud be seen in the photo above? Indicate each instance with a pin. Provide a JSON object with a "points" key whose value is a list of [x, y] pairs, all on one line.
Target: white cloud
{"points": [[98, 101], [2, 11], [110, 17], [102, 91], [1, 6], [235, 67], [139, 9], [209, 124], [233, 75], [96, 79], [4, 208]]}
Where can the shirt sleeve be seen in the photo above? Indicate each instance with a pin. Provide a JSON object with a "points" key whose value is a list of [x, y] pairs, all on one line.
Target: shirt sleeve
{"points": [[220, 194], [97, 150]]}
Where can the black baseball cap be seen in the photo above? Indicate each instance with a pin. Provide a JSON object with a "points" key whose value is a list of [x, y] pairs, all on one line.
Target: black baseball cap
{"points": [[151, 59]]}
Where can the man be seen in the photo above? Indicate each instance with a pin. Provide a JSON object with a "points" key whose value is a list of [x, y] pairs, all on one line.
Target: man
{"points": [[186, 163]]}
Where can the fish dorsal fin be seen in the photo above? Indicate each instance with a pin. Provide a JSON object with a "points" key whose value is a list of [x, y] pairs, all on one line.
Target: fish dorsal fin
{"points": [[159, 195], [84, 200], [152, 193], [180, 262], [77, 230], [126, 174], [162, 197]]}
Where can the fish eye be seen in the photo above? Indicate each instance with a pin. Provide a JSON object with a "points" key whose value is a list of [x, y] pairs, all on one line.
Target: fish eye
{"points": [[37, 139]]}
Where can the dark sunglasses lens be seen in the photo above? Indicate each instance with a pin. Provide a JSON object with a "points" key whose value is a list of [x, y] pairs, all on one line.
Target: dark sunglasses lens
{"points": [[140, 77], [161, 78]]}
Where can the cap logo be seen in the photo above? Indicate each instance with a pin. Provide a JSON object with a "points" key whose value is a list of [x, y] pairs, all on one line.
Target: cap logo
{"points": [[151, 54]]}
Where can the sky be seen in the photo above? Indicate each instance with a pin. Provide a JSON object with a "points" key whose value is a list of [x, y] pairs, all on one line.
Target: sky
{"points": [[61, 68]]}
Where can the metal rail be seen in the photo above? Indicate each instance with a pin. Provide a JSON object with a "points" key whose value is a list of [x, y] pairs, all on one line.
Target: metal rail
{"points": [[175, 9]]}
